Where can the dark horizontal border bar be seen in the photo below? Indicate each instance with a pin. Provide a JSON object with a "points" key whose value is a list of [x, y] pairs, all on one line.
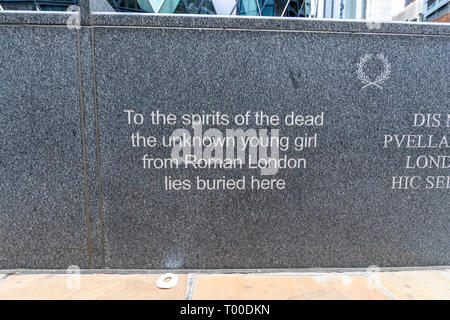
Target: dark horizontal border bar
{"points": [[223, 309], [227, 23]]}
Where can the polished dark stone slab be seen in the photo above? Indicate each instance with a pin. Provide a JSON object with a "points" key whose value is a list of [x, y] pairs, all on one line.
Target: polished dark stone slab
{"points": [[42, 201], [339, 212], [73, 190]]}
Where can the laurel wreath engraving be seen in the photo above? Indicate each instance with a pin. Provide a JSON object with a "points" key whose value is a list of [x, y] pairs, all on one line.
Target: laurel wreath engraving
{"points": [[378, 80]]}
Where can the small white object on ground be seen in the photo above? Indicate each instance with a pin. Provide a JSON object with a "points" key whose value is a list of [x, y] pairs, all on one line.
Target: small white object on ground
{"points": [[163, 284]]}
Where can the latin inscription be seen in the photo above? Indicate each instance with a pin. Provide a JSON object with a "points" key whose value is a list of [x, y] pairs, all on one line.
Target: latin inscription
{"points": [[419, 159]]}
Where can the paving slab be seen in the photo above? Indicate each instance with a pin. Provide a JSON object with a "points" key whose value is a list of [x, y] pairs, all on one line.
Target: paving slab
{"points": [[95, 286], [261, 287], [412, 285], [431, 284]]}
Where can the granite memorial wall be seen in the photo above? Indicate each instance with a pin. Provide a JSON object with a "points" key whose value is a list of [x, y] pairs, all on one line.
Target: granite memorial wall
{"points": [[133, 141]]}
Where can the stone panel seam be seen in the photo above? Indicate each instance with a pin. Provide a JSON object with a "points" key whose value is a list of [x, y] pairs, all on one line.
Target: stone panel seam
{"points": [[83, 143], [97, 140], [233, 29]]}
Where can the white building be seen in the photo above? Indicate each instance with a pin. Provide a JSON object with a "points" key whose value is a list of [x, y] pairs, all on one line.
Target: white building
{"points": [[379, 9], [413, 11], [355, 9]]}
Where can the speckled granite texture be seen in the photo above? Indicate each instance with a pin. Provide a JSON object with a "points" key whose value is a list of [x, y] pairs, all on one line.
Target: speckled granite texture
{"points": [[30, 17], [42, 203], [99, 208]]}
